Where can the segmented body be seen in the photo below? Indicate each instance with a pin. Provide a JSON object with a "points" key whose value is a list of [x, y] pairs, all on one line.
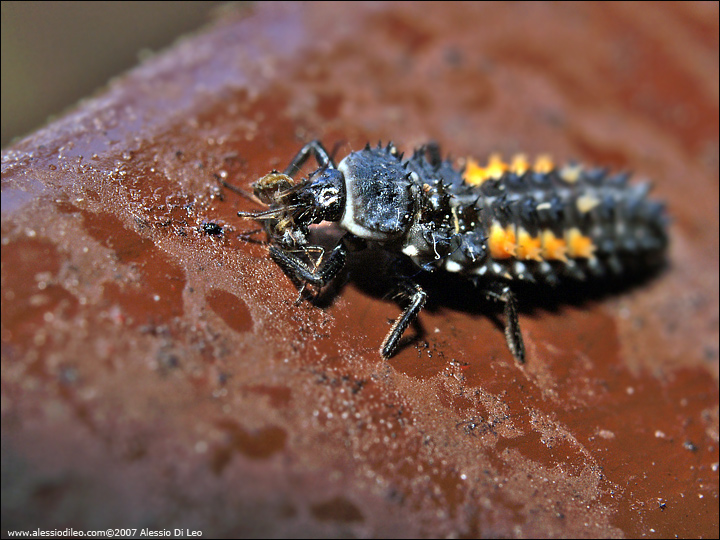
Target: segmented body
{"points": [[494, 224], [510, 221]]}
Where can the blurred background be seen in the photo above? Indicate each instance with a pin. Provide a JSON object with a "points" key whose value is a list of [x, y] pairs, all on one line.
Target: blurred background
{"points": [[55, 53]]}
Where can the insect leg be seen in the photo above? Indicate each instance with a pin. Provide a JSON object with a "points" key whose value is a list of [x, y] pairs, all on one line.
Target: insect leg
{"points": [[297, 270], [513, 335], [417, 301], [316, 148]]}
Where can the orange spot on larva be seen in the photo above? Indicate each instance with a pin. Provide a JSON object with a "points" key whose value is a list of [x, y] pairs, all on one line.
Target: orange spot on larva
{"points": [[544, 164], [502, 242], [519, 164], [553, 248], [475, 175], [528, 247], [579, 246]]}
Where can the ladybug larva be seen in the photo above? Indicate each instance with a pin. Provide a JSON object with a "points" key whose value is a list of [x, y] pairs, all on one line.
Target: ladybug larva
{"points": [[495, 225]]}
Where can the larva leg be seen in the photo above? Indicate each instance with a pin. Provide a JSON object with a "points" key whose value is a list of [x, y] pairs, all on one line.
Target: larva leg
{"points": [[417, 301], [513, 335], [313, 147]]}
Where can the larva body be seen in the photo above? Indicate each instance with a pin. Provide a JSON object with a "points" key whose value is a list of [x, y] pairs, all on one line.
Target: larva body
{"points": [[493, 224]]}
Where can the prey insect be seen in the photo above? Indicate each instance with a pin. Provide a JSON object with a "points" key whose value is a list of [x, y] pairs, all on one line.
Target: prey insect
{"points": [[495, 225]]}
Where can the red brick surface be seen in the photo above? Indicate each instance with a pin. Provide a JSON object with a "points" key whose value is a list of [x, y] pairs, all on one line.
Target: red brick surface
{"points": [[155, 376]]}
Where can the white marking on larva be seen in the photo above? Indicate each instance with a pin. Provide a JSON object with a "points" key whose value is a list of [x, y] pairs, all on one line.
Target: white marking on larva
{"points": [[570, 173], [348, 221], [498, 268], [519, 268], [543, 206], [481, 270], [452, 266], [437, 255], [586, 203], [620, 229], [456, 221], [410, 250], [414, 176]]}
